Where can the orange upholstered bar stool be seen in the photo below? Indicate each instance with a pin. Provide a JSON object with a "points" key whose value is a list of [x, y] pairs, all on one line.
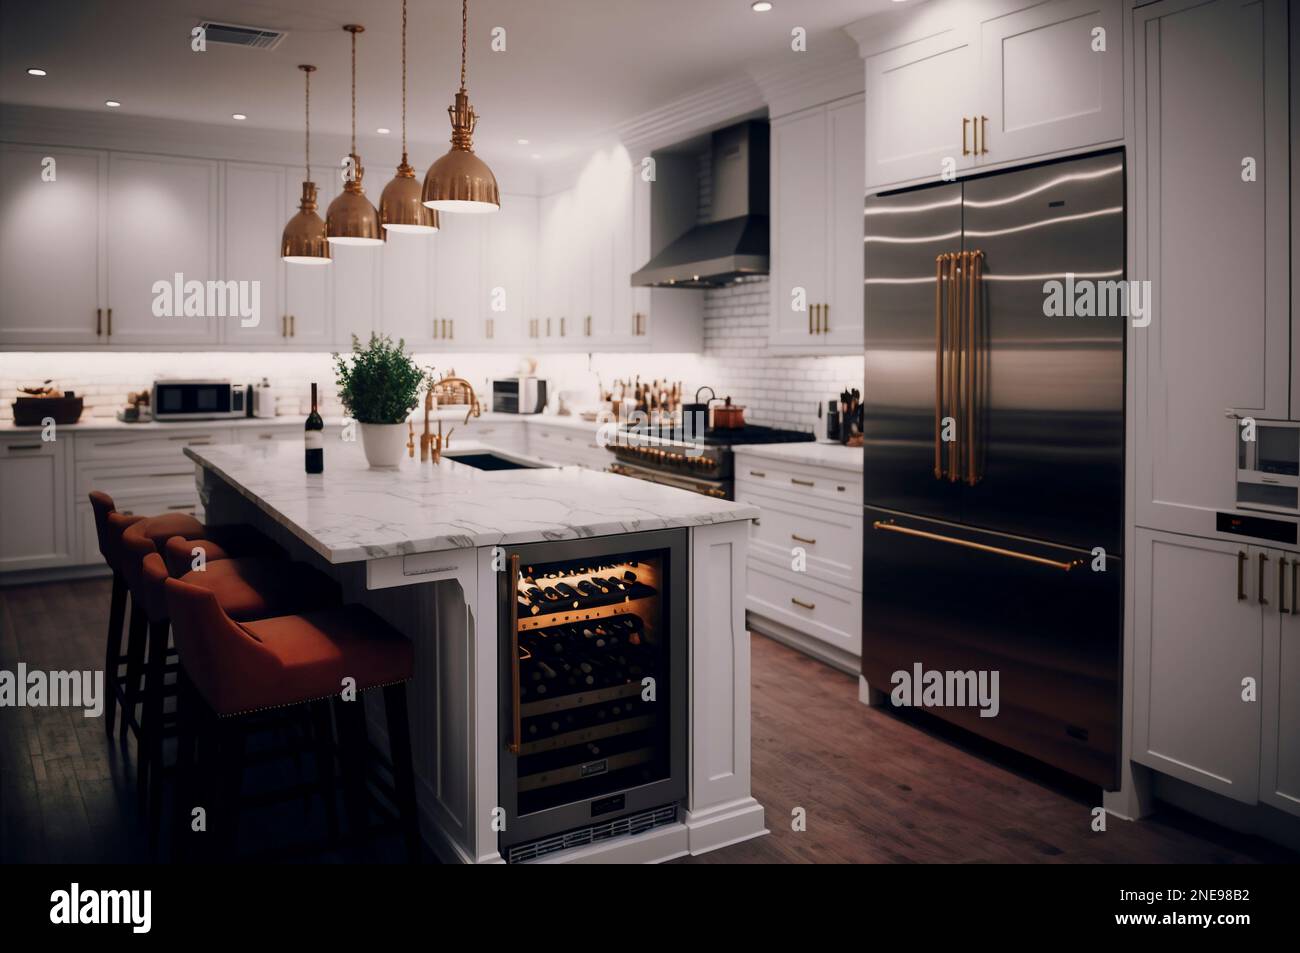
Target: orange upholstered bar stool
{"points": [[109, 525], [231, 671], [247, 587]]}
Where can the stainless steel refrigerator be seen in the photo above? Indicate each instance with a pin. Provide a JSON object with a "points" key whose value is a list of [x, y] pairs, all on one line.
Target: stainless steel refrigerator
{"points": [[994, 452]]}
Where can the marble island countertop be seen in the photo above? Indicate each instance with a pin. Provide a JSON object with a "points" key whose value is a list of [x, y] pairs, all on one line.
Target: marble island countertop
{"points": [[352, 513]]}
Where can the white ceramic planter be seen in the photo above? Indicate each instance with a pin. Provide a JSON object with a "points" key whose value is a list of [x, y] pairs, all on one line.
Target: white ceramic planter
{"points": [[383, 444]]}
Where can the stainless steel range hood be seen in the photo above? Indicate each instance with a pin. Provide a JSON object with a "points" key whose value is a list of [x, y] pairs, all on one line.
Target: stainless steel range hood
{"points": [[733, 243]]}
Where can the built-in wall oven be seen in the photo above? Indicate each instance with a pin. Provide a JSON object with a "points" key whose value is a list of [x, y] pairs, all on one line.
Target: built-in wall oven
{"points": [[593, 690]]}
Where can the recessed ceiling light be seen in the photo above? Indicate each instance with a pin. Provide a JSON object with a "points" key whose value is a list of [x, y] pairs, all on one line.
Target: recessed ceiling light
{"points": [[239, 116], [35, 71], [760, 6], [111, 103], [522, 142], [383, 130]]}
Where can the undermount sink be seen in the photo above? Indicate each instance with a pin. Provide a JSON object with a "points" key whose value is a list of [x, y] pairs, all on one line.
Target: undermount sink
{"points": [[489, 460]]}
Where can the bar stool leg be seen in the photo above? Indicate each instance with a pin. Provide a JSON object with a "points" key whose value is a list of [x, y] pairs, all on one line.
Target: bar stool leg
{"points": [[350, 717], [230, 783], [149, 734], [323, 738], [399, 750], [113, 649], [186, 743], [137, 635]]}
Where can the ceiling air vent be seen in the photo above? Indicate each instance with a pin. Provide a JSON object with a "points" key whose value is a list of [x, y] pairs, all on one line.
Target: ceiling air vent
{"points": [[232, 35]]}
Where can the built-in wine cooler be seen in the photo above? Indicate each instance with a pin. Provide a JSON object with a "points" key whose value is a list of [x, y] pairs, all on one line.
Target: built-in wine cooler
{"points": [[593, 689]]}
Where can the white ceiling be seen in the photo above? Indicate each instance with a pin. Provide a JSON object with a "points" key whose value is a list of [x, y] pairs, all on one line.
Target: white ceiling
{"points": [[572, 68]]}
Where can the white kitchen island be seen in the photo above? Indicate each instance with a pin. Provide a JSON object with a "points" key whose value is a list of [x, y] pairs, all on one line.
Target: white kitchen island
{"points": [[421, 546]]}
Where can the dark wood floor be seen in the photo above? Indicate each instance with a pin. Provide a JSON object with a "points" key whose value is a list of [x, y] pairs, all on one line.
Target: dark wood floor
{"points": [[875, 787]]}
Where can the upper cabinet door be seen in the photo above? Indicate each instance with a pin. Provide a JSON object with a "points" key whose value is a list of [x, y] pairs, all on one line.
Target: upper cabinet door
{"points": [[354, 300], [406, 264], [1210, 212], [52, 266], [917, 97], [254, 219], [1198, 633], [308, 288], [162, 227], [842, 319], [459, 299], [508, 271], [1051, 79], [801, 224]]}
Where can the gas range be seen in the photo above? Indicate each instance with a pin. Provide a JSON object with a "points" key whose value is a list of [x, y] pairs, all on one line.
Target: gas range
{"points": [[699, 462]]}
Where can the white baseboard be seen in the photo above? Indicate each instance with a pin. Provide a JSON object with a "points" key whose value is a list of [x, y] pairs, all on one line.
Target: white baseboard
{"points": [[832, 656]]}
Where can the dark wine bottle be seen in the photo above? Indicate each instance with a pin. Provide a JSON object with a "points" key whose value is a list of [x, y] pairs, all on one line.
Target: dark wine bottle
{"points": [[315, 438]]}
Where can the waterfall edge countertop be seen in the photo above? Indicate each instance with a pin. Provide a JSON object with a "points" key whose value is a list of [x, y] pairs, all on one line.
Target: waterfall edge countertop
{"points": [[352, 513]]}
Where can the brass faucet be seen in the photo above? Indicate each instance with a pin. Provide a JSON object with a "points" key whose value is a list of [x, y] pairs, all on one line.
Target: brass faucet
{"points": [[431, 444]]}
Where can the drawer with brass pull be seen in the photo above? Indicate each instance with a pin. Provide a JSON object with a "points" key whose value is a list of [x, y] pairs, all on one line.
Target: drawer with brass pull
{"points": [[829, 541], [825, 611], [799, 483], [155, 443]]}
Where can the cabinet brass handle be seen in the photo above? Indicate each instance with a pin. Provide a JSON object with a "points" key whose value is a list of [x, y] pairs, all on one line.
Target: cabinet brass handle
{"points": [[24, 446], [562, 333], [812, 318], [514, 654], [965, 125], [266, 436], [757, 473], [1241, 576], [110, 322], [452, 326], [826, 319], [99, 321], [548, 327], [984, 135], [1262, 599], [1281, 587], [802, 482], [800, 539], [801, 603]]}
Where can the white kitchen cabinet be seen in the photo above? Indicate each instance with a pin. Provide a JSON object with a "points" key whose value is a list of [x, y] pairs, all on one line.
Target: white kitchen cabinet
{"points": [[163, 214], [556, 224], [353, 306], [918, 95], [406, 265], [817, 261], [253, 207], [52, 265], [509, 272], [308, 289], [1279, 781], [1211, 95], [663, 320], [1049, 80], [34, 502], [1199, 632], [961, 85], [460, 301]]}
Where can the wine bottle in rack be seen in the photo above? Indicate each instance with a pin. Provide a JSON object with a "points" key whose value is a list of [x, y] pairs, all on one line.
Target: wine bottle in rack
{"points": [[315, 438]]}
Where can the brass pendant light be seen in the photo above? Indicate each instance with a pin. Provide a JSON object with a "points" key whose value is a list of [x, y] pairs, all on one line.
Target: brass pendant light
{"points": [[460, 181], [303, 241], [400, 205], [351, 219]]}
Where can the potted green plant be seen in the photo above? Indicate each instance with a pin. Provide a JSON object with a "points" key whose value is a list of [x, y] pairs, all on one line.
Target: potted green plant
{"points": [[379, 385]]}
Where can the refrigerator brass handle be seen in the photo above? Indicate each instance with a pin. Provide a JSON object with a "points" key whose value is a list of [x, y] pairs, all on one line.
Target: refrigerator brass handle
{"points": [[99, 321], [965, 125], [802, 482], [984, 135], [974, 301], [982, 547], [799, 539], [1281, 587], [954, 352], [1260, 597], [938, 364], [1241, 576], [517, 721], [1295, 570], [802, 604]]}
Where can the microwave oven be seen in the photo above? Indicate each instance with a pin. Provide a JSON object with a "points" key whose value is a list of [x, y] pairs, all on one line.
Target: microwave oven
{"points": [[519, 395], [199, 400], [1268, 466]]}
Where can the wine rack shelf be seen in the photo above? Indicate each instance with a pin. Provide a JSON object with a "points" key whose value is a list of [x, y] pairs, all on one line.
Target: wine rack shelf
{"points": [[545, 620], [579, 700]]}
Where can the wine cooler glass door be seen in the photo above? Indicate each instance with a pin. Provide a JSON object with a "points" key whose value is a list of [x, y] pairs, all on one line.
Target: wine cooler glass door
{"points": [[593, 710]]}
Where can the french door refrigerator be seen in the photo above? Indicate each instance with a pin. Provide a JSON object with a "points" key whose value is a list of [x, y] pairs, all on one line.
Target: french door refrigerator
{"points": [[994, 453]]}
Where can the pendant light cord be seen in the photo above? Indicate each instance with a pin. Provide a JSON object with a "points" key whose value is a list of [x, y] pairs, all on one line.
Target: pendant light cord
{"points": [[307, 149], [464, 31], [354, 93], [403, 80]]}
